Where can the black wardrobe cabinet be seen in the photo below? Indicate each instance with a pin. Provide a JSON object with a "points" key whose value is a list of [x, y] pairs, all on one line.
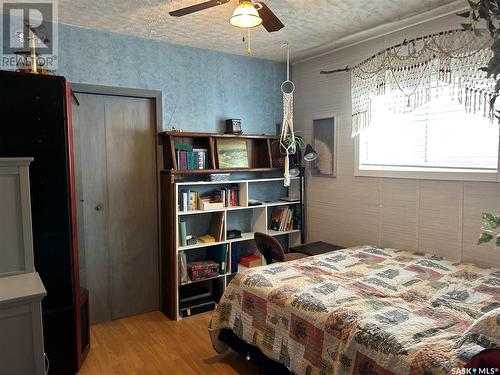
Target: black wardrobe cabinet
{"points": [[35, 121]]}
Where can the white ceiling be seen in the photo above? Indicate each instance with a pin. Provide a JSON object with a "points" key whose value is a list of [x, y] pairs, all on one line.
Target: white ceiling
{"points": [[310, 25]]}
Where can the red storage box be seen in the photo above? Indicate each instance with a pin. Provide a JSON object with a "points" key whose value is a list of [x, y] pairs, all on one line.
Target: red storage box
{"points": [[203, 269], [251, 261]]}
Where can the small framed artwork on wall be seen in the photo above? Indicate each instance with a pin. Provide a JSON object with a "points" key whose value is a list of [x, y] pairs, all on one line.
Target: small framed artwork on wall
{"points": [[324, 143]]}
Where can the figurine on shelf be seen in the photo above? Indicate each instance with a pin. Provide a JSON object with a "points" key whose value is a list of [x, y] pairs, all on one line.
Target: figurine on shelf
{"points": [[30, 61]]}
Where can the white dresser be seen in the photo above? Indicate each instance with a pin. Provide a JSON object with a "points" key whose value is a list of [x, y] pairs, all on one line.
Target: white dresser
{"points": [[16, 245], [21, 290], [21, 338]]}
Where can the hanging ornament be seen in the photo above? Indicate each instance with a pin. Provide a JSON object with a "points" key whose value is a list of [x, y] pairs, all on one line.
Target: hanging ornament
{"points": [[287, 137]]}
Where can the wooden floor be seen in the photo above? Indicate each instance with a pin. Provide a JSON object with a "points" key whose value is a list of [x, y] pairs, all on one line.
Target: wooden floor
{"points": [[152, 344]]}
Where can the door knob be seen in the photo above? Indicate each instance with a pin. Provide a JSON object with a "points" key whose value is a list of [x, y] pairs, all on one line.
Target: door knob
{"points": [[99, 207]]}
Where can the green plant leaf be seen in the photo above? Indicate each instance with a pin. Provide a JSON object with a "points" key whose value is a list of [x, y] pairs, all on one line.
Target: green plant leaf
{"points": [[491, 220], [497, 242], [484, 238], [473, 4], [466, 26]]}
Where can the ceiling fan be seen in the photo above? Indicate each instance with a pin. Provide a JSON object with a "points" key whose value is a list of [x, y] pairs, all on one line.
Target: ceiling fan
{"points": [[247, 14]]}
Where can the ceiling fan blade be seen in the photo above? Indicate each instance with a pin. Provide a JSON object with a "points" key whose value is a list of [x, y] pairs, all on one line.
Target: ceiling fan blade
{"points": [[197, 7], [269, 20]]}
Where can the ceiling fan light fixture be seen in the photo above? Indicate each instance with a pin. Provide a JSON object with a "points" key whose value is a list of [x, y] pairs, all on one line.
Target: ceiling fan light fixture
{"points": [[245, 15]]}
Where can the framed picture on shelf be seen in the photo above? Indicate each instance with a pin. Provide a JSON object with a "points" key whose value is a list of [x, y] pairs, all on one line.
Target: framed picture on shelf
{"points": [[232, 153], [324, 143]]}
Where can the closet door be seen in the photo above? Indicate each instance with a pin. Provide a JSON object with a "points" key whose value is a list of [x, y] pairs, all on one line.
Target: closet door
{"points": [[92, 198], [118, 169], [132, 207]]}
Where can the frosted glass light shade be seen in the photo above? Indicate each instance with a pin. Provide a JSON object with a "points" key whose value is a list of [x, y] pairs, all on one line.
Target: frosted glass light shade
{"points": [[245, 15]]}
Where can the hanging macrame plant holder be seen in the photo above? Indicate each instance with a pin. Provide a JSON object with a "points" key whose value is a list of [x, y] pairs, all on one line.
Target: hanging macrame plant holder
{"points": [[407, 76], [287, 137]]}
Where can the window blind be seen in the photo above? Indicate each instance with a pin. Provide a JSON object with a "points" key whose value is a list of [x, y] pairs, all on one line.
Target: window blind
{"points": [[438, 135]]}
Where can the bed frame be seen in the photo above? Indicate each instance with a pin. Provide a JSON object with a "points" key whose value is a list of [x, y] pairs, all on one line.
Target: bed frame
{"points": [[253, 354]]}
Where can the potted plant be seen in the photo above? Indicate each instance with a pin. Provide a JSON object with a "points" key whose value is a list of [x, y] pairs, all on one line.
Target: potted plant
{"points": [[489, 12], [490, 229], [296, 142]]}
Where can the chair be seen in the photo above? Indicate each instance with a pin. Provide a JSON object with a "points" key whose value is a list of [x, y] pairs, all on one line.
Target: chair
{"points": [[272, 250]]}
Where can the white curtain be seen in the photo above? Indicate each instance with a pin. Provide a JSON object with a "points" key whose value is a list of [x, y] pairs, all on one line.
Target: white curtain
{"points": [[409, 75]]}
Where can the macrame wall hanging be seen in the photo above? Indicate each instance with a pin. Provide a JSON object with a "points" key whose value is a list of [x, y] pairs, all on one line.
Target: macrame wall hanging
{"points": [[287, 137], [408, 75]]}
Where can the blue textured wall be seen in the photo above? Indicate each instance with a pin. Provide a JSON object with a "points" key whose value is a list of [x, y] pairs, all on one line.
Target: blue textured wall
{"points": [[205, 87]]}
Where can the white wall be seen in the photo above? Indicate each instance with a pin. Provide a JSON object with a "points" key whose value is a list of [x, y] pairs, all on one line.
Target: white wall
{"points": [[442, 217]]}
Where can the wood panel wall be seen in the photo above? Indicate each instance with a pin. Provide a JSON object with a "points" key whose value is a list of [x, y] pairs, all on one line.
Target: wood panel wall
{"points": [[442, 217]]}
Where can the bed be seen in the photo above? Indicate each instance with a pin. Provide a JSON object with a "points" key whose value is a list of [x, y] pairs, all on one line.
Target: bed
{"points": [[363, 310]]}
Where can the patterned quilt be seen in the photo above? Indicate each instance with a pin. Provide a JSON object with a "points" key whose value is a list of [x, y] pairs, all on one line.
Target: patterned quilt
{"points": [[364, 310]]}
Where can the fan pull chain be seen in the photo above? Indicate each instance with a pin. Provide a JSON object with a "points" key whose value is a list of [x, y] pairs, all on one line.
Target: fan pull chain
{"points": [[249, 47]]}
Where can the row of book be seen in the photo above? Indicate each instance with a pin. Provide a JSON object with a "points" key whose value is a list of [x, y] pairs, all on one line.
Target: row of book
{"points": [[189, 157], [225, 197], [229, 196], [284, 219], [188, 200]]}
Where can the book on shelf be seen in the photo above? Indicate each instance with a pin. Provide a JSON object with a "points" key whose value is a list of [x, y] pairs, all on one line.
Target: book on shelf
{"points": [[190, 158], [234, 257], [220, 257], [193, 200], [183, 160], [181, 147], [184, 201], [183, 272], [182, 233], [201, 158]]}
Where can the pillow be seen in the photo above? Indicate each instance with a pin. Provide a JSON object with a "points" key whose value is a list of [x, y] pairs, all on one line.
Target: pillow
{"points": [[479, 346]]}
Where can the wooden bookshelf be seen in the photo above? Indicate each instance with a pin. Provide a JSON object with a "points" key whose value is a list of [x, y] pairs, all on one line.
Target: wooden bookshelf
{"points": [[264, 158], [263, 151], [248, 219]]}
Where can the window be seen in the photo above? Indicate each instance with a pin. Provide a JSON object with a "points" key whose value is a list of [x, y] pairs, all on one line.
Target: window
{"points": [[438, 140]]}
